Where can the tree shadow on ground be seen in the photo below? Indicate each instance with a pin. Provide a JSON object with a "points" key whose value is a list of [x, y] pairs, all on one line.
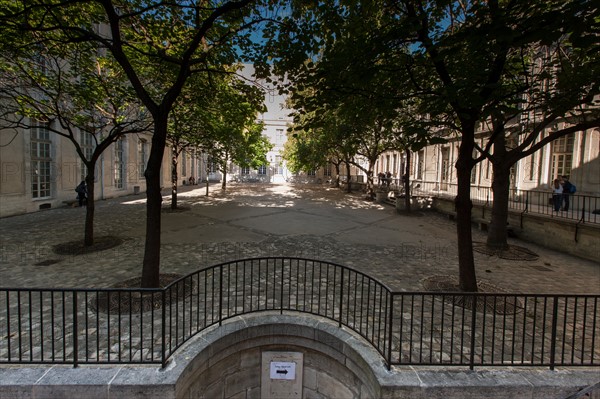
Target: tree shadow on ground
{"points": [[123, 298], [78, 247], [503, 304]]}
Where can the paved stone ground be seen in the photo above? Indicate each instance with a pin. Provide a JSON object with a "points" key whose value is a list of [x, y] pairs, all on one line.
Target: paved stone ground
{"points": [[262, 220], [249, 220]]}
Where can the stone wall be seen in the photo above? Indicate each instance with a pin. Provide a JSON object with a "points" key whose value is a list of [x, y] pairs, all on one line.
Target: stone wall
{"points": [[224, 362], [552, 232], [231, 366]]}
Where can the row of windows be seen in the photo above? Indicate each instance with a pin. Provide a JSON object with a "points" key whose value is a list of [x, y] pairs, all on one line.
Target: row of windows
{"points": [[561, 162], [41, 159], [262, 170]]}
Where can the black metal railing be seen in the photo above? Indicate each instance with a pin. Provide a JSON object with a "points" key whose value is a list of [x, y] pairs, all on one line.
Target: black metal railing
{"points": [[93, 326], [582, 208]]}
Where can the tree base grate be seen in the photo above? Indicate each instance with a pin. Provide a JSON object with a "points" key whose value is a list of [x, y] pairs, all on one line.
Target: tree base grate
{"points": [[511, 252], [126, 302], [447, 283]]}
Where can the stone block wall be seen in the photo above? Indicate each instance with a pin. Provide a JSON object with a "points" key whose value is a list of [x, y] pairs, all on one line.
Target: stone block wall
{"points": [[230, 367], [224, 362], [552, 232]]}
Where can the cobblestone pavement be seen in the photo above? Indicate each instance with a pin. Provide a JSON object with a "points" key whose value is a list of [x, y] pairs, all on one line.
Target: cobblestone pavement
{"points": [[270, 220], [261, 220]]}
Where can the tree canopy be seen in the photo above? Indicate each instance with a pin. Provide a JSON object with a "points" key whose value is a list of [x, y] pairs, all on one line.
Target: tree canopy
{"points": [[70, 90], [457, 64], [158, 45]]}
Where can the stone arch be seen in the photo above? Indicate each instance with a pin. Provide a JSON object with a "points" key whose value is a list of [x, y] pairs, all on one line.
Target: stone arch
{"points": [[226, 361]]}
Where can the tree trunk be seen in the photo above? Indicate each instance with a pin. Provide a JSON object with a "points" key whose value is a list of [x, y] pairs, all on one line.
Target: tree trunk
{"points": [[151, 264], [91, 206], [348, 183], [224, 182], [337, 175], [174, 177], [407, 193], [466, 261], [370, 183], [497, 232]]}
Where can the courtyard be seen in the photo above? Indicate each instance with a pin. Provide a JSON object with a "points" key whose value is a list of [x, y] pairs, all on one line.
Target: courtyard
{"points": [[257, 220], [370, 264]]}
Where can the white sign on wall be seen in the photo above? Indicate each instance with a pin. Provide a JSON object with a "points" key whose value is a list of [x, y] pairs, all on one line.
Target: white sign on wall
{"points": [[283, 371], [281, 375]]}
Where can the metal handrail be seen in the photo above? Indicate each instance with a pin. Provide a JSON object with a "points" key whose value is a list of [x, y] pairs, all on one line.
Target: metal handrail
{"points": [[581, 207], [407, 328]]}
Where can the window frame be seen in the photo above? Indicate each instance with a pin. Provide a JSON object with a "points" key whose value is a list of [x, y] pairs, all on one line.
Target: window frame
{"points": [[41, 161], [119, 164]]}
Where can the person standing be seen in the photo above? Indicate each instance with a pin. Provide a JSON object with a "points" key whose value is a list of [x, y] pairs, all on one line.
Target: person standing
{"points": [[567, 189], [380, 178], [82, 193], [557, 193]]}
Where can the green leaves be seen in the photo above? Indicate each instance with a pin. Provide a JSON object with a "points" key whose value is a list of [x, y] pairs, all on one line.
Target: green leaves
{"points": [[217, 113]]}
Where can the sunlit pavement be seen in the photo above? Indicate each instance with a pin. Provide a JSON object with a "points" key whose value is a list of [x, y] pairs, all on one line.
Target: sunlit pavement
{"points": [[252, 220]]}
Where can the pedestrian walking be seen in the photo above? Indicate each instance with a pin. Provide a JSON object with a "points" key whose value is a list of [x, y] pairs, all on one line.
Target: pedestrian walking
{"points": [[81, 190]]}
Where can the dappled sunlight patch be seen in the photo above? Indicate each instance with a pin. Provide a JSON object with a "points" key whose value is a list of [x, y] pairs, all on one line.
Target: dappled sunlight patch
{"points": [[140, 201], [208, 201], [200, 202], [287, 204], [284, 190], [197, 192], [358, 203], [271, 196], [250, 194]]}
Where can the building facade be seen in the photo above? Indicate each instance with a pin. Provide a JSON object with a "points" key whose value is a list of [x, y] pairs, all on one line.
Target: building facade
{"points": [[576, 155], [40, 169], [275, 120], [432, 170]]}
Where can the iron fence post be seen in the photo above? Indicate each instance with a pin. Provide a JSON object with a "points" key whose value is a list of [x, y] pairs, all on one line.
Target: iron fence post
{"points": [[281, 287], [75, 343], [582, 220], [473, 326], [554, 328], [380, 323], [390, 332], [341, 297], [220, 295], [164, 328]]}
